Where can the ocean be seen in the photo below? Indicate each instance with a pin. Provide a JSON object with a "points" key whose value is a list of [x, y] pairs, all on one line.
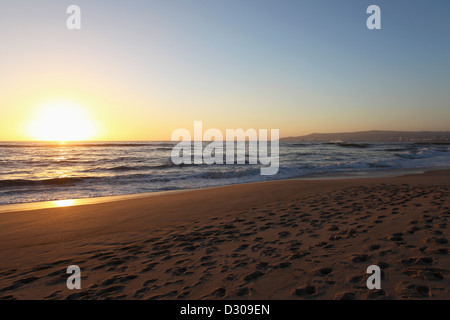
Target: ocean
{"points": [[33, 172]]}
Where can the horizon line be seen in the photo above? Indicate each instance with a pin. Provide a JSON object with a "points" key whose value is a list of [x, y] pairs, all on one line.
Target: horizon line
{"points": [[284, 137]]}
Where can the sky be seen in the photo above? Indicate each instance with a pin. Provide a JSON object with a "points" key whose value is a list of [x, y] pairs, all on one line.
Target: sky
{"points": [[138, 70]]}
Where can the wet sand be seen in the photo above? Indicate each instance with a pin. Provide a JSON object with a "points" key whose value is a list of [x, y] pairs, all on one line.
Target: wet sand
{"points": [[290, 239]]}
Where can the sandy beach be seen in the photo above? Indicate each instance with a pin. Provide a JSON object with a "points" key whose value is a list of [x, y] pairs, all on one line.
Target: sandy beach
{"points": [[292, 239]]}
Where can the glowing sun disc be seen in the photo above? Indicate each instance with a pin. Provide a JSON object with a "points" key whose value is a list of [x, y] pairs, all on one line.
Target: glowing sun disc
{"points": [[61, 121]]}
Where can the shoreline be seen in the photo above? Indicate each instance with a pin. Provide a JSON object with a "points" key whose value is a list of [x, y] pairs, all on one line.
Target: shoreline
{"points": [[388, 173], [289, 239]]}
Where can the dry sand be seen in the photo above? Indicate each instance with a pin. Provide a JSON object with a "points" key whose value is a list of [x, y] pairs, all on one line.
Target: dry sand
{"points": [[277, 240]]}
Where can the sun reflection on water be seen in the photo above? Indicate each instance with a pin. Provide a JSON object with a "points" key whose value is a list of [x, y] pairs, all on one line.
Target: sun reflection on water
{"points": [[64, 203], [62, 157]]}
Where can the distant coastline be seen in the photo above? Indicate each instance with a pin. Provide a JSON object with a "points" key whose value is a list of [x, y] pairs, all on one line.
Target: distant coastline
{"points": [[376, 136]]}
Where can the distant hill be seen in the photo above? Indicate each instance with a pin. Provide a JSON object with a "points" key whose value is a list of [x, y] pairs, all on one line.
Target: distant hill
{"points": [[376, 136]]}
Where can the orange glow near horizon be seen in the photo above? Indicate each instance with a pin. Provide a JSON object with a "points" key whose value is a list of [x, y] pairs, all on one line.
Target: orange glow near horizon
{"points": [[61, 121]]}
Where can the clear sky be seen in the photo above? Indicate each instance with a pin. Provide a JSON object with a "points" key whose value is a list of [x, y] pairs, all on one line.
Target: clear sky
{"points": [[141, 69]]}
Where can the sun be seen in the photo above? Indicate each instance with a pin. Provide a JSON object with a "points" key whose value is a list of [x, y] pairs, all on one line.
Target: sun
{"points": [[61, 121]]}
